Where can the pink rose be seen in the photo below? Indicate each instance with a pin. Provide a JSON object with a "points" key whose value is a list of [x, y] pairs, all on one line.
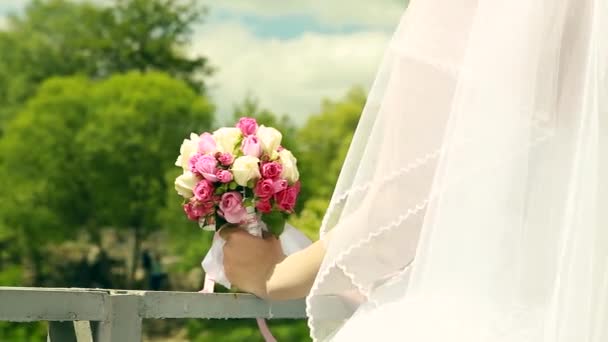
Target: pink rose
{"points": [[203, 191], [196, 210], [247, 125], [231, 207], [206, 144], [207, 208], [226, 159], [280, 185], [264, 189], [206, 165], [287, 198], [264, 206], [189, 210], [192, 162], [224, 176], [271, 170], [251, 146]]}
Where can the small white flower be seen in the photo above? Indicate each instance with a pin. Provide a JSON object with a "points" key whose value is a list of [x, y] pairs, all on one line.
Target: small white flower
{"points": [[226, 139], [290, 166], [244, 169], [187, 150], [185, 184], [270, 139]]}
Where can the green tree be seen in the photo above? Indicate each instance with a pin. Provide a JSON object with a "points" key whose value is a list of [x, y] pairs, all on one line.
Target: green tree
{"points": [[93, 154], [41, 188], [61, 37], [323, 143], [324, 140], [130, 142]]}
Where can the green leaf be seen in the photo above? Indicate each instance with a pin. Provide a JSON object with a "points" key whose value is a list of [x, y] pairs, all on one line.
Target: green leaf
{"points": [[219, 221], [248, 202], [275, 221], [232, 185]]}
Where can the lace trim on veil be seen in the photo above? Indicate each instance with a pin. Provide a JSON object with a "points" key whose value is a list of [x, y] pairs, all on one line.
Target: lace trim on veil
{"points": [[419, 162], [364, 290], [339, 260]]}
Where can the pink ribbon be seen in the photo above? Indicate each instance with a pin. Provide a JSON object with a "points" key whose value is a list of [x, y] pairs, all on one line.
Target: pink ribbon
{"points": [[209, 287]]}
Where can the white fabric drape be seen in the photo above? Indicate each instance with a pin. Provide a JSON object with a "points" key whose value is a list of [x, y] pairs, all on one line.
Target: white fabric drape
{"points": [[472, 205]]}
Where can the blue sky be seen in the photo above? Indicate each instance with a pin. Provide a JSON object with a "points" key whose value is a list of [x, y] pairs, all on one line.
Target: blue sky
{"points": [[282, 27], [288, 54]]}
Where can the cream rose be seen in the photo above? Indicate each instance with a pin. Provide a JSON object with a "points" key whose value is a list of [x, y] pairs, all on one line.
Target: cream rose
{"points": [[270, 139], [187, 150], [244, 169], [290, 166], [185, 184], [226, 139]]}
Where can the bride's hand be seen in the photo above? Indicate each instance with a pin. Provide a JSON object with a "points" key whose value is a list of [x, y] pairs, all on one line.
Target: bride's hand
{"points": [[249, 261]]}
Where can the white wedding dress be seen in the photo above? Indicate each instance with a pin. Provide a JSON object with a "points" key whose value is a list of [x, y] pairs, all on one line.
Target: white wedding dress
{"points": [[473, 203]]}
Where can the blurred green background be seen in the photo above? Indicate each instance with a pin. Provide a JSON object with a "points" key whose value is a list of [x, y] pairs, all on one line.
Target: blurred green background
{"points": [[96, 98]]}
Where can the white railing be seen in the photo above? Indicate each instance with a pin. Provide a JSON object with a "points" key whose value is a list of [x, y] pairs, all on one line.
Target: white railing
{"points": [[100, 315]]}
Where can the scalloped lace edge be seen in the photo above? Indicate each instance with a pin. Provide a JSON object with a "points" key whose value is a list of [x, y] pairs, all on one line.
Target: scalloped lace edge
{"points": [[417, 163], [340, 258]]}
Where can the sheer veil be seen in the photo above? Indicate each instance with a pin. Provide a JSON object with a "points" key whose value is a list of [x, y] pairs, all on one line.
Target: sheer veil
{"points": [[477, 180]]}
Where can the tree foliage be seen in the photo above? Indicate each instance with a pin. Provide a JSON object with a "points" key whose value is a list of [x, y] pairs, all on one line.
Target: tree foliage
{"points": [[323, 143], [61, 38], [38, 162], [93, 154]]}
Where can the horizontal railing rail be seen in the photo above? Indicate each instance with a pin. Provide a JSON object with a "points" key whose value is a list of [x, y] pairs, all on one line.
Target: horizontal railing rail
{"points": [[101, 315]]}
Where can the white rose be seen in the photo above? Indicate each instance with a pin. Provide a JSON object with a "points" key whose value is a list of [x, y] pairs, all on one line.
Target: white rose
{"points": [[270, 139], [226, 139], [244, 169], [187, 150], [290, 166], [185, 183]]}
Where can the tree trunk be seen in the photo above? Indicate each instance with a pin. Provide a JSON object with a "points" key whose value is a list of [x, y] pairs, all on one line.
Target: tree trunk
{"points": [[36, 265], [135, 256], [30, 259]]}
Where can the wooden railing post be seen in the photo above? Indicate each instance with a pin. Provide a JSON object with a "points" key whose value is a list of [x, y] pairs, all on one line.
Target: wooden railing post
{"points": [[124, 321], [68, 331]]}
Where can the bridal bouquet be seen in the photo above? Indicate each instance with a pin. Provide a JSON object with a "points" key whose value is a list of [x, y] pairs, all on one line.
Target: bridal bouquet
{"points": [[239, 175], [243, 176]]}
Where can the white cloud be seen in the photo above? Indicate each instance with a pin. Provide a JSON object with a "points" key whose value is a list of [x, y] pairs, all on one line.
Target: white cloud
{"points": [[374, 14], [287, 76]]}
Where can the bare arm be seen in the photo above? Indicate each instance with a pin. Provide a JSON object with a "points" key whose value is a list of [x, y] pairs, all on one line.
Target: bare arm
{"points": [[293, 277]]}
